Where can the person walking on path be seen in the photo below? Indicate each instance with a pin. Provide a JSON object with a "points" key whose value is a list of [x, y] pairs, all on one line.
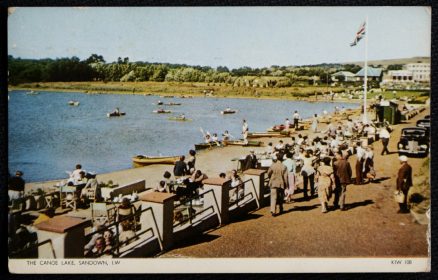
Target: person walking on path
{"points": [[308, 173], [343, 172], [325, 179], [404, 182], [278, 181], [296, 118], [291, 167], [360, 153], [384, 135]]}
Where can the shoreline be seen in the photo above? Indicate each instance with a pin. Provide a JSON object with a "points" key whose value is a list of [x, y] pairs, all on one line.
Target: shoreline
{"points": [[180, 94]]}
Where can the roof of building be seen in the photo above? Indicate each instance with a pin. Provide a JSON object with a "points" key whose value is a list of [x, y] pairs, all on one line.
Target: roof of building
{"points": [[343, 73], [371, 72]]}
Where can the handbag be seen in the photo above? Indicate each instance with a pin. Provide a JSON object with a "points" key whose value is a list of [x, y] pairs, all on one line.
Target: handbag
{"points": [[399, 196]]}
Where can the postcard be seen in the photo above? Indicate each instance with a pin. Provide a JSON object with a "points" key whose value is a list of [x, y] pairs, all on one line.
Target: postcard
{"points": [[219, 139]]}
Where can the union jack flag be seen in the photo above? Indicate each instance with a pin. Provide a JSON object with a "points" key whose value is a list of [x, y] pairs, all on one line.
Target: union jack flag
{"points": [[359, 35]]}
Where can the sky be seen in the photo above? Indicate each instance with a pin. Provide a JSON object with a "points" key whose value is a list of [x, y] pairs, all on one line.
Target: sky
{"points": [[219, 36]]}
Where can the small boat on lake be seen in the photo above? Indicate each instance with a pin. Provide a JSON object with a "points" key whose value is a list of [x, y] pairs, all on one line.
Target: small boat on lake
{"points": [[142, 160], [172, 104], [228, 111], [242, 143], [73, 103], [115, 114], [179, 119], [162, 111], [32, 92]]}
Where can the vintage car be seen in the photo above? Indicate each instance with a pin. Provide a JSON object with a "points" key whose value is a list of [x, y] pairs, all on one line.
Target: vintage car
{"points": [[414, 141], [424, 123]]}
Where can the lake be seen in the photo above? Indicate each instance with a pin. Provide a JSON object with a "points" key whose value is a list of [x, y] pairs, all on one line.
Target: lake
{"points": [[47, 137]]}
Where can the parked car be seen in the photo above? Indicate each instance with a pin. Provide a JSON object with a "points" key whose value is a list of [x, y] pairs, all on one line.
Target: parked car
{"points": [[424, 123], [414, 141]]}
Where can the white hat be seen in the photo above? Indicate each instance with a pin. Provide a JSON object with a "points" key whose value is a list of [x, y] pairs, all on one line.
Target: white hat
{"points": [[403, 158]]}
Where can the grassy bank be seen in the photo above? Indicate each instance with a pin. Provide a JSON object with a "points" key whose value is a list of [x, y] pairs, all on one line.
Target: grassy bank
{"points": [[179, 89]]}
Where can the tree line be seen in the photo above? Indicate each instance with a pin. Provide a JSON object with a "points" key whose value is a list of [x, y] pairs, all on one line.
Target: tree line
{"points": [[95, 68]]}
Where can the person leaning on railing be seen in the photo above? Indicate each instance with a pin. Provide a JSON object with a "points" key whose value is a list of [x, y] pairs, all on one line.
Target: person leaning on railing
{"points": [[16, 186]]}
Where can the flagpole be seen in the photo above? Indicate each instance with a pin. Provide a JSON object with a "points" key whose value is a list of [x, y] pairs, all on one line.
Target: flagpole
{"points": [[365, 87]]}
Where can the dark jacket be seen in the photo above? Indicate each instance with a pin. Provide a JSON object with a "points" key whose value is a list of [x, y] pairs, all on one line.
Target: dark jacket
{"points": [[250, 162], [16, 183], [343, 171], [180, 168], [404, 178]]}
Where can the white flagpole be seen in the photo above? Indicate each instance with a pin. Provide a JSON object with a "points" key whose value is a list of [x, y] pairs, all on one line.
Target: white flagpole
{"points": [[365, 120]]}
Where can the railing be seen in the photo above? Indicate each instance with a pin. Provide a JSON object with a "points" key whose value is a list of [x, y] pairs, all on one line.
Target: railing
{"points": [[22, 253], [188, 204], [239, 197], [115, 250]]}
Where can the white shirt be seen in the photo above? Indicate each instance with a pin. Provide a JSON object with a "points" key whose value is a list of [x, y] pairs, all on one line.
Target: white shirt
{"points": [[75, 175], [245, 127], [287, 123], [296, 116], [384, 133], [360, 153]]}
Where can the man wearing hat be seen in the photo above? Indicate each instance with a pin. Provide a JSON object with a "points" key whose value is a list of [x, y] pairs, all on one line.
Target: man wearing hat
{"points": [[278, 181], [16, 186], [404, 182]]}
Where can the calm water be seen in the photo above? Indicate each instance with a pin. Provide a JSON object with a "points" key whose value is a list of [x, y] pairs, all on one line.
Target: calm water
{"points": [[48, 137]]}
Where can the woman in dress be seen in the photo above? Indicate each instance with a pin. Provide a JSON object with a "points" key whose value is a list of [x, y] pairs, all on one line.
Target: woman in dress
{"points": [[314, 127], [325, 179], [291, 167]]}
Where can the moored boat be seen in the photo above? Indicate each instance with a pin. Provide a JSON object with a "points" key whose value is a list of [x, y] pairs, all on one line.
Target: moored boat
{"points": [[142, 160], [242, 143], [268, 134], [32, 92], [203, 146]]}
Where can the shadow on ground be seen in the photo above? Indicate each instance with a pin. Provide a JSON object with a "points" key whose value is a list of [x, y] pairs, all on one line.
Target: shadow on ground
{"points": [[195, 240], [359, 204]]}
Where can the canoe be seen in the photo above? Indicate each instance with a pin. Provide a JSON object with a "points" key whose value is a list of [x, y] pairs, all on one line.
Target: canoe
{"points": [[203, 146], [241, 143], [141, 160], [73, 103], [32, 92], [172, 104], [268, 134], [162, 111], [113, 114], [179, 119], [228, 112]]}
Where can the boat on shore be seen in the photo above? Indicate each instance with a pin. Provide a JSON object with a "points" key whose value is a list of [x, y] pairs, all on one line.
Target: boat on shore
{"points": [[268, 134], [142, 160], [162, 111], [203, 146], [242, 143], [73, 103], [179, 119], [114, 114]]}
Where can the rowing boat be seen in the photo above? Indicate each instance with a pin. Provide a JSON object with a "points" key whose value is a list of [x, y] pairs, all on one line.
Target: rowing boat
{"points": [[162, 111], [114, 114], [203, 146], [179, 119], [73, 103], [242, 143], [141, 160], [228, 112], [172, 104], [268, 134]]}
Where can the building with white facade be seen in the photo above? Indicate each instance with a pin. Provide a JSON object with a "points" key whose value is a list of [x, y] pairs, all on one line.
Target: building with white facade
{"points": [[420, 72]]}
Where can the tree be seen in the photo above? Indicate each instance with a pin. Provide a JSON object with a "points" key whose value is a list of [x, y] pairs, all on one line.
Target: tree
{"points": [[94, 58]]}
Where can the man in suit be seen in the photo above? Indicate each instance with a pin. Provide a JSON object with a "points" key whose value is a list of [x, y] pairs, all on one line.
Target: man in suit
{"points": [[250, 161], [180, 168], [278, 181], [343, 175], [404, 182]]}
